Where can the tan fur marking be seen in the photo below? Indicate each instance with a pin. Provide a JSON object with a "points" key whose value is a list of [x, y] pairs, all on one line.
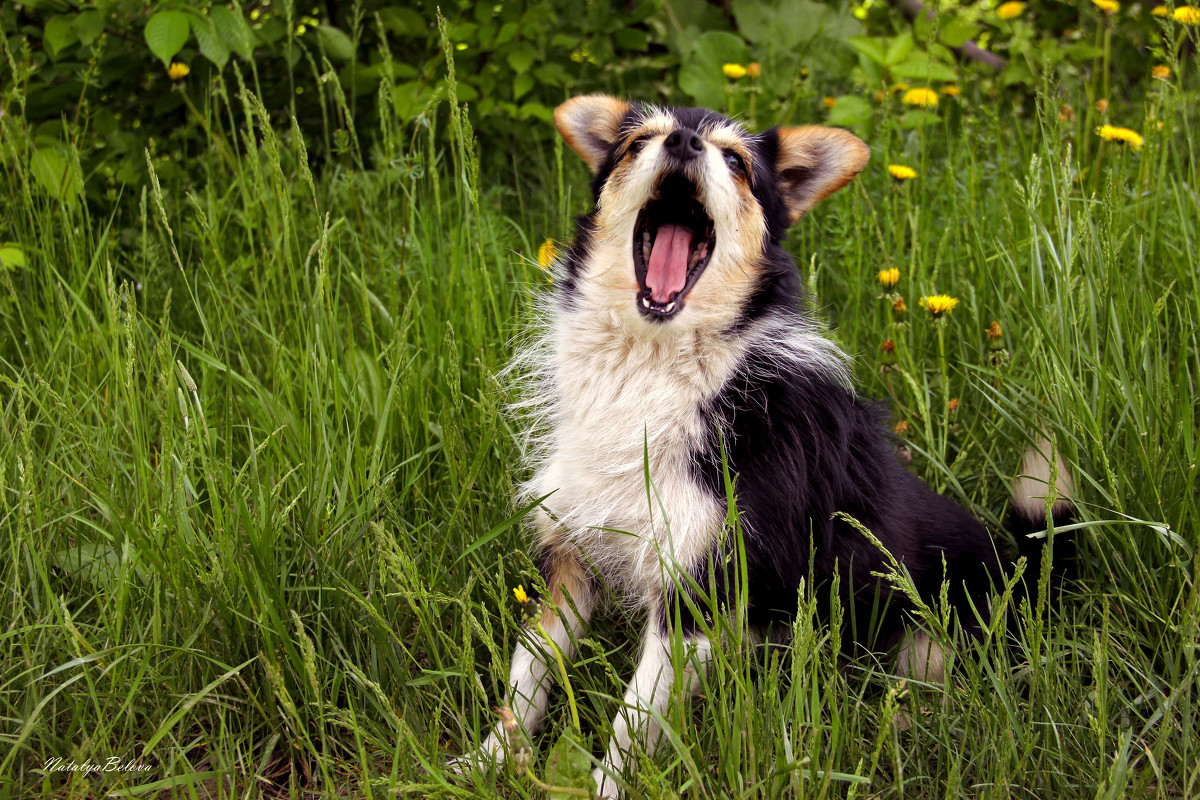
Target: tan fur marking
{"points": [[589, 124], [814, 162]]}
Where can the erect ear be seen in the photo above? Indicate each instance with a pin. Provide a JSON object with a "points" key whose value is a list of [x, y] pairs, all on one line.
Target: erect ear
{"points": [[813, 162], [590, 124]]}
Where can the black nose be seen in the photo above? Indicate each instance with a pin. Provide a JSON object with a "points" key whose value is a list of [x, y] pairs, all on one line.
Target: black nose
{"points": [[684, 144]]}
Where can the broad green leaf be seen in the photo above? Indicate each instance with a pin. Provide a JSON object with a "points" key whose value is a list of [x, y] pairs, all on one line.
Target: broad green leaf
{"points": [[57, 174], [957, 32], [701, 75], [234, 31], [631, 39], [900, 47], [520, 58], [521, 85], [89, 25], [567, 768], [870, 47], [849, 112], [166, 34], [410, 99], [336, 44], [11, 255], [919, 66], [60, 34], [918, 118], [535, 110], [403, 21], [756, 19], [212, 46]]}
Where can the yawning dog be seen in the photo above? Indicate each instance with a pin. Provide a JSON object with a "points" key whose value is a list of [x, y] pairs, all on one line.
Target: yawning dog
{"points": [[676, 343]]}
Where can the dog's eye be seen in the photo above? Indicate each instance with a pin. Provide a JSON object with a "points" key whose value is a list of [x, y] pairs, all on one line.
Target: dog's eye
{"points": [[735, 162], [637, 144]]}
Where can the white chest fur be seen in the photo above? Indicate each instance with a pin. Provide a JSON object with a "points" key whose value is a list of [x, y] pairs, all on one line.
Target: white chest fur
{"points": [[622, 402]]}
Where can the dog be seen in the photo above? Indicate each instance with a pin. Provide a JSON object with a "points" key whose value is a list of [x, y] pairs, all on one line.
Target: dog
{"points": [[676, 344]]}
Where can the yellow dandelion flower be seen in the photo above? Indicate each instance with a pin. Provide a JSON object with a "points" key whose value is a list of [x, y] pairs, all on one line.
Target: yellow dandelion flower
{"points": [[901, 427], [1161, 11], [901, 173], [938, 304], [993, 331], [754, 69], [178, 70], [1109, 7], [897, 88], [889, 277], [925, 98], [829, 102], [952, 406], [1112, 133], [734, 71], [546, 254], [520, 594], [1187, 15], [899, 307], [951, 91], [1010, 10], [1161, 71], [1102, 105]]}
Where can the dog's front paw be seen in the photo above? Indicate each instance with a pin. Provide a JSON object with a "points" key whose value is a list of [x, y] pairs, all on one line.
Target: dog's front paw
{"points": [[488, 755]]}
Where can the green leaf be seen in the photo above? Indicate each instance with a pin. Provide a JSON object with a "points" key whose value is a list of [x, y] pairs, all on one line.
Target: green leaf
{"points": [[520, 59], [234, 31], [166, 34], [535, 110], [403, 21], [409, 99], [957, 32], [849, 112], [60, 34], [567, 768], [919, 66], [870, 47], [11, 255], [756, 20], [918, 118], [701, 75], [787, 24], [631, 39], [336, 44], [212, 46], [521, 85], [57, 174], [900, 47], [88, 26]]}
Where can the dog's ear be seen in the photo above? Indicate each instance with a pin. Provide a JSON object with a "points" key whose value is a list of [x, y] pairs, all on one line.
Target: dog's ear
{"points": [[813, 162], [590, 124]]}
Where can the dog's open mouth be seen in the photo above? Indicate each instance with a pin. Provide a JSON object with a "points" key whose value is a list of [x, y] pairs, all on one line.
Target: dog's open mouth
{"points": [[672, 244]]}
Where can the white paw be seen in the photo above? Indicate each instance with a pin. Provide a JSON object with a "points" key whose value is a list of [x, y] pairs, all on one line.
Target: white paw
{"points": [[606, 787], [489, 754]]}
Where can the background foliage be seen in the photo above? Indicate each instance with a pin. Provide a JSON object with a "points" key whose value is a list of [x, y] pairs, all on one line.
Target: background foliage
{"points": [[255, 475]]}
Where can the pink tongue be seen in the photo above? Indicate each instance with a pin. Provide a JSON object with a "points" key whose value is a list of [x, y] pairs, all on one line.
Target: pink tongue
{"points": [[667, 271]]}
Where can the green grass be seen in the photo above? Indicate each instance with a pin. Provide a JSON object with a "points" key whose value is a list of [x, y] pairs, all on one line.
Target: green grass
{"points": [[251, 427]]}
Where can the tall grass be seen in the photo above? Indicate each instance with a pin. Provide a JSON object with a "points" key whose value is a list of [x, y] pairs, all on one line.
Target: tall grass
{"points": [[255, 478]]}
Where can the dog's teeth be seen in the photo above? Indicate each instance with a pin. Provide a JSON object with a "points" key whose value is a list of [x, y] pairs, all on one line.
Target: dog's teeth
{"points": [[645, 302], [669, 307]]}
